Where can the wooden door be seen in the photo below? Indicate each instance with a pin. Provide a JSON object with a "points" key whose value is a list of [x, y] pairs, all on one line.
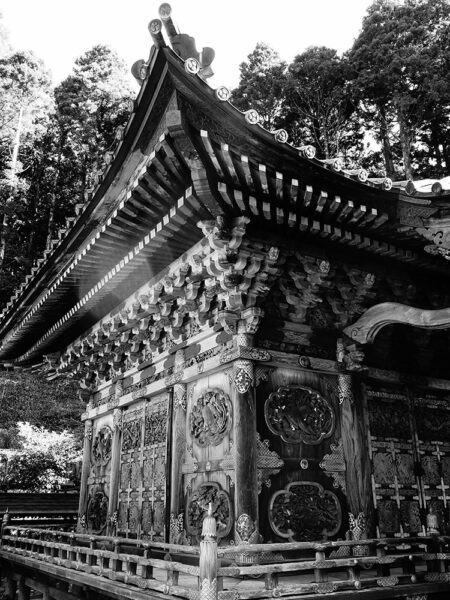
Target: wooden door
{"points": [[142, 486]]}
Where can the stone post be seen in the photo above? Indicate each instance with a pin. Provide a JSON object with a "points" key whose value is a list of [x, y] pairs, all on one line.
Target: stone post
{"points": [[84, 475], [115, 471]]}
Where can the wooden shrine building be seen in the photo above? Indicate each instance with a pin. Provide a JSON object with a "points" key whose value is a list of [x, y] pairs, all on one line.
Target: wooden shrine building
{"points": [[252, 329]]}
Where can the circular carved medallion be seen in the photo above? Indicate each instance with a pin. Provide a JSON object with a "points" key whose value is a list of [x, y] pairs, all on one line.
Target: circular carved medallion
{"points": [[197, 507], [299, 414], [210, 418]]}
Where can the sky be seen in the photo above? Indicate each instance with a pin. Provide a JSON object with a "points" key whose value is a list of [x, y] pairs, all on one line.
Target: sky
{"points": [[59, 31]]}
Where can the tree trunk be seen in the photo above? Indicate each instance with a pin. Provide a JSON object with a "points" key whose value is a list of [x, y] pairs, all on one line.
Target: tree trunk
{"points": [[386, 144], [13, 187], [405, 142]]}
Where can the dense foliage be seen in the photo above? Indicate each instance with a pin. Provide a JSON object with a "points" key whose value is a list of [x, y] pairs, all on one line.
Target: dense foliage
{"points": [[52, 146], [41, 434], [384, 104]]}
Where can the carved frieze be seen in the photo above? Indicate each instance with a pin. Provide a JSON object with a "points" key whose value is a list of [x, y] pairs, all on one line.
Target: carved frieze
{"points": [[433, 423], [305, 511], [197, 506], [210, 418], [299, 414]]}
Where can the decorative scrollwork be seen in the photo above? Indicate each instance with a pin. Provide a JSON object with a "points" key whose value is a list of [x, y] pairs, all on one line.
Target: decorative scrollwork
{"points": [[101, 447], [210, 418], [304, 511], [299, 414], [198, 503]]}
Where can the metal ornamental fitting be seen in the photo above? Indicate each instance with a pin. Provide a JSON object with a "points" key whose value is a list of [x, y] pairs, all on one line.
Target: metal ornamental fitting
{"points": [[222, 93], [192, 66], [386, 184], [155, 29], [307, 151], [281, 135], [361, 174], [252, 116]]}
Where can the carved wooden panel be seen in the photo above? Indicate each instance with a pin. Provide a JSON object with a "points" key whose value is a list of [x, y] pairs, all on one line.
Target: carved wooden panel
{"points": [[209, 461], [298, 413], [99, 477], [304, 511], [142, 486]]}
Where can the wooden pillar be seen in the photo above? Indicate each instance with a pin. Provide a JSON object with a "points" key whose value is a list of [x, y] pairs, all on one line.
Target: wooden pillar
{"points": [[115, 471], [85, 474], [356, 454], [246, 474], [178, 448]]}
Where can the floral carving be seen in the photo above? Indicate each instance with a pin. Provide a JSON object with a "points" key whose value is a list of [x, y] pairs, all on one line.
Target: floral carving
{"points": [[198, 503], [131, 435], [155, 428], [304, 511], [299, 414], [101, 447], [210, 418]]}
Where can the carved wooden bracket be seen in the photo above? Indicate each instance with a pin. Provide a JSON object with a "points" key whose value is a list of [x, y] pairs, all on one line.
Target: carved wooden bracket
{"points": [[375, 318]]}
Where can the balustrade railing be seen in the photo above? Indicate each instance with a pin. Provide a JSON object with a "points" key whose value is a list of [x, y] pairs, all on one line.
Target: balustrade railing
{"points": [[246, 571]]}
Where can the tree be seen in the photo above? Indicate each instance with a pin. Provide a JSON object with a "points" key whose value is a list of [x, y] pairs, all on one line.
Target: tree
{"points": [[90, 105], [25, 103], [400, 63], [318, 105], [261, 85]]}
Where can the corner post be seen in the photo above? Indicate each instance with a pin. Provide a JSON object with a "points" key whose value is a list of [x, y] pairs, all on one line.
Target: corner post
{"points": [[85, 473], [246, 471], [355, 443]]}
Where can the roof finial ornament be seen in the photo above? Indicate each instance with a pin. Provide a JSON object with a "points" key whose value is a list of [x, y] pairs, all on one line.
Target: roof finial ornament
{"points": [[184, 44]]}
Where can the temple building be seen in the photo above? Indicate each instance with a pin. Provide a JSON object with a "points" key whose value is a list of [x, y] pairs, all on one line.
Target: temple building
{"points": [[256, 331]]}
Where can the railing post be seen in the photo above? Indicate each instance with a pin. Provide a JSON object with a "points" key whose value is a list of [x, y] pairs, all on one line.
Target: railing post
{"points": [[208, 558]]}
